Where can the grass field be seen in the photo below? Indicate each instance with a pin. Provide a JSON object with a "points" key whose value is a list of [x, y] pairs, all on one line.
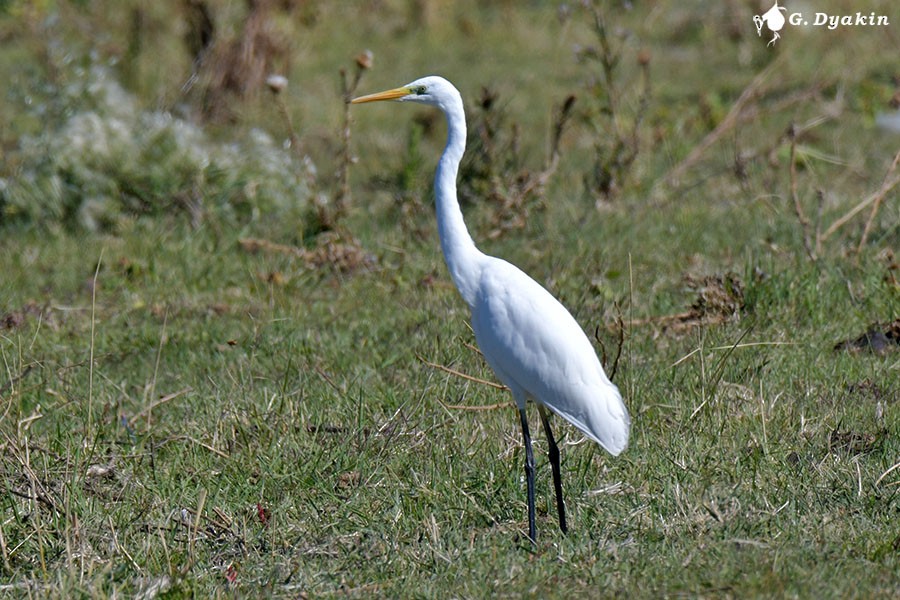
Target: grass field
{"points": [[217, 383]]}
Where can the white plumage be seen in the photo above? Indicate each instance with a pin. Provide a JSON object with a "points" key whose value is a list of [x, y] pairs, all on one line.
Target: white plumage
{"points": [[540, 352], [527, 337]]}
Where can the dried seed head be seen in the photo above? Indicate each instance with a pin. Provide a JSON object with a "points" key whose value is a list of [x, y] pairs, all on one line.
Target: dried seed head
{"points": [[364, 59], [643, 57], [276, 83]]}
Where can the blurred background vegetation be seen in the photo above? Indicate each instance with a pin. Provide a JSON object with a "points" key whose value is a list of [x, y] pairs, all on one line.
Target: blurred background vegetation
{"points": [[113, 112]]}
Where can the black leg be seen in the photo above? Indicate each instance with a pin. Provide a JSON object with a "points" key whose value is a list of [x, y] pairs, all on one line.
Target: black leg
{"points": [[553, 451], [529, 476]]}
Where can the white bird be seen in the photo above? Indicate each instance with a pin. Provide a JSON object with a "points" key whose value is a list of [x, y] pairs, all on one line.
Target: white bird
{"points": [[527, 337]]}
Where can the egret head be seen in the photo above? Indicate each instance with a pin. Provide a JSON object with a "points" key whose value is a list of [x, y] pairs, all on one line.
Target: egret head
{"points": [[432, 90]]}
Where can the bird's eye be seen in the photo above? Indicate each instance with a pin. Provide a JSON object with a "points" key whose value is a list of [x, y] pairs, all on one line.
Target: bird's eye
{"points": [[419, 90]]}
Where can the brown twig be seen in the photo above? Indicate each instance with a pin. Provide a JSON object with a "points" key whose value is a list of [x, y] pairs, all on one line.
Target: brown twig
{"points": [[201, 444], [348, 88], [608, 57], [559, 125], [259, 244], [643, 103], [886, 186], [820, 206], [886, 473], [456, 373], [616, 153], [753, 113], [292, 132], [798, 207], [750, 93], [147, 409], [16, 379], [536, 183], [327, 378], [482, 408], [620, 342], [39, 492], [342, 197]]}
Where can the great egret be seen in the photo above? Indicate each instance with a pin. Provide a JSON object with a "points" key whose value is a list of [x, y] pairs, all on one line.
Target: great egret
{"points": [[527, 337]]}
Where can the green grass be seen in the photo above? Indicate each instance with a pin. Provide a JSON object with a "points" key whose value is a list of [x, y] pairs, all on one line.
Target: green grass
{"points": [[251, 425]]}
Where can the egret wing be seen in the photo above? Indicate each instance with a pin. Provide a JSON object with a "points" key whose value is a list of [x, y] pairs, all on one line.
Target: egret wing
{"points": [[535, 346]]}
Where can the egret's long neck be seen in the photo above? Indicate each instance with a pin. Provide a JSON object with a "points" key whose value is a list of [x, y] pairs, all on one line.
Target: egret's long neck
{"points": [[463, 258]]}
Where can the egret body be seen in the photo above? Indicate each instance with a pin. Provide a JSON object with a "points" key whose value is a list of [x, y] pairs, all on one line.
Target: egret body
{"points": [[528, 338]]}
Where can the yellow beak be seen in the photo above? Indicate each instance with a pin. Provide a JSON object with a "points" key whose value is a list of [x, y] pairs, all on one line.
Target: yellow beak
{"points": [[386, 95]]}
